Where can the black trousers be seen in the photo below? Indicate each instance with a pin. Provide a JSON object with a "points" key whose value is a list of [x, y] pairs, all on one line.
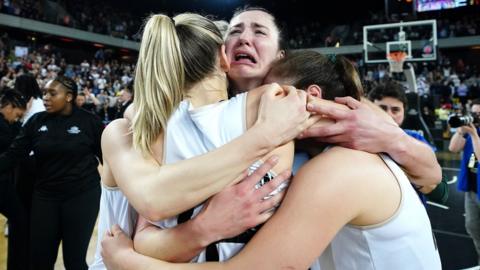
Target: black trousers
{"points": [[18, 225], [70, 221]]}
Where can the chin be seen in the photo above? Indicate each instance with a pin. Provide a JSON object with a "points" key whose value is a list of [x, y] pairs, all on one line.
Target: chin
{"points": [[243, 73]]}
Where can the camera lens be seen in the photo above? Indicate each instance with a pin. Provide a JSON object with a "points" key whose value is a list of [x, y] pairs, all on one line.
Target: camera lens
{"points": [[460, 120]]}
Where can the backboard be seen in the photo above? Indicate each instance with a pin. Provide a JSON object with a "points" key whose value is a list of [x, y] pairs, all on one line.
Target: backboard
{"points": [[418, 39]]}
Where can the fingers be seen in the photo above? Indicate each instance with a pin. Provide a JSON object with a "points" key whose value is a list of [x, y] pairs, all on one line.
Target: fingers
{"points": [[328, 110], [262, 218], [268, 188], [273, 90], [315, 120], [272, 202], [258, 174], [324, 131], [349, 101]]}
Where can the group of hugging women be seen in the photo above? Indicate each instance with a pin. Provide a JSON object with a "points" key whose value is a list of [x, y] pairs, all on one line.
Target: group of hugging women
{"points": [[198, 174]]}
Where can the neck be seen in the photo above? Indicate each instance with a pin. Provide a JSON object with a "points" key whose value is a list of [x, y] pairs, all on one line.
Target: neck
{"points": [[208, 91], [67, 110], [245, 85]]}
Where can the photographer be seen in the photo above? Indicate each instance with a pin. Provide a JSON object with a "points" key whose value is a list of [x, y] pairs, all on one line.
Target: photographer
{"points": [[466, 138], [390, 97]]}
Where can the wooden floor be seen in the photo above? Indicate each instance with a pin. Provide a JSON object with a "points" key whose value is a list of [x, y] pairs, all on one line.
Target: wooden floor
{"points": [[58, 265]]}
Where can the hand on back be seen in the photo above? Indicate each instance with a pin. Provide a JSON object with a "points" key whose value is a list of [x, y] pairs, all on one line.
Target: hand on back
{"points": [[282, 113], [357, 125]]}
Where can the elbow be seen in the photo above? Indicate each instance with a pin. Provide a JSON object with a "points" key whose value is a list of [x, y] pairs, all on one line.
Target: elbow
{"points": [[435, 176], [438, 174], [154, 212], [452, 149], [153, 209]]}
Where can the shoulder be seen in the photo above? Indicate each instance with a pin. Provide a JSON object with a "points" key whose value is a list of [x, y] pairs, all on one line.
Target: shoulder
{"points": [[117, 130], [37, 118], [89, 116], [346, 166]]}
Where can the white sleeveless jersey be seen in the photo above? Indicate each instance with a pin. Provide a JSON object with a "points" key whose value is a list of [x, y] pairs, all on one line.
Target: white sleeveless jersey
{"points": [[193, 132], [114, 209], [404, 241]]}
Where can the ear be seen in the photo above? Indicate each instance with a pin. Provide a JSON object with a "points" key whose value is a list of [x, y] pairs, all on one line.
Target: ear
{"points": [[314, 90], [280, 54], [69, 97], [224, 63]]}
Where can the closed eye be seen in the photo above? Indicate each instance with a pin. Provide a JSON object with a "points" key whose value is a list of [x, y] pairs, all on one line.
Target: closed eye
{"points": [[234, 31]]}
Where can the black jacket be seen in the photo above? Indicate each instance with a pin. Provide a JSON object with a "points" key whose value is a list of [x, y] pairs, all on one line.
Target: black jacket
{"points": [[66, 149], [7, 134]]}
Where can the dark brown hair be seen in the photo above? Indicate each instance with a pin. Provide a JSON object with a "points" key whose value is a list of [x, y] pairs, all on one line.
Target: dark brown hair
{"points": [[390, 89], [336, 75], [14, 98]]}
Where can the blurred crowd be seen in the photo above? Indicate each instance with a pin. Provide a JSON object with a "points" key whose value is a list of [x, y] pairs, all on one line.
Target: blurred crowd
{"points": [[105, 86], [316, 34], [93, 16], [446, 87], [105, 19]]}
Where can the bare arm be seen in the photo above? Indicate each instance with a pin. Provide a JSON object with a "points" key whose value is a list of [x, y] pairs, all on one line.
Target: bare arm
{"points": [[158, 192], [227, 214], [283, 244], [366, 128], [416, 158], [457, 142], [471, 130]]}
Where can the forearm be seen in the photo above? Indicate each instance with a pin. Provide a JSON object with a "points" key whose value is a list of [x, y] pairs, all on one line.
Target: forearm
{"points": [[417, 158], [178, 244], [457, 142], [133, 261], [159, 192]]}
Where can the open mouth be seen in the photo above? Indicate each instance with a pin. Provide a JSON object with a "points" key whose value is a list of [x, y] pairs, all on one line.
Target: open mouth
{"points": [[245, 56]]}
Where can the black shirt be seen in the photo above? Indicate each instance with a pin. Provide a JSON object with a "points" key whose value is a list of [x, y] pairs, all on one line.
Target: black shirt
{"points": [[65, 149], [7, 134]]}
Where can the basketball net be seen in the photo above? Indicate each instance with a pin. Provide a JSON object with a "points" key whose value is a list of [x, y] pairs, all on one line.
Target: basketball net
{"points": [[396, 60]]}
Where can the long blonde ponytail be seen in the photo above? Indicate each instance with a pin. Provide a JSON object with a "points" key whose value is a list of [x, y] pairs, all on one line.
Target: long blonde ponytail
{"points": [[159, 80]]}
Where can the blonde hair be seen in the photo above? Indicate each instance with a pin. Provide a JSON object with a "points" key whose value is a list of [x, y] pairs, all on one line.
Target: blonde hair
{"points": [[174, 54]]}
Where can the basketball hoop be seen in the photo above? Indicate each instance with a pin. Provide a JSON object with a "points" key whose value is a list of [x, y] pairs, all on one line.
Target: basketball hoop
{"points": [[396, 60]]}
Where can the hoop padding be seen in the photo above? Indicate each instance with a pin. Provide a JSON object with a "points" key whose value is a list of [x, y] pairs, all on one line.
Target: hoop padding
{"points": [[396, 60]]}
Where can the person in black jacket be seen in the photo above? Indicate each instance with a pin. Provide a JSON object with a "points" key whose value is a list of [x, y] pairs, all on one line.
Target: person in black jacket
{"points": [[12, 108], [66, 142]]}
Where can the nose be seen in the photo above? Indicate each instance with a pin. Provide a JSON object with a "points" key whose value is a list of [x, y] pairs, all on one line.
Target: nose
{"points": [[245, 38]]}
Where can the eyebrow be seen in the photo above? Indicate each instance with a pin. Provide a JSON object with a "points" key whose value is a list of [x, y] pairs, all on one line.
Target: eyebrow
{"points": [[254, 25]]}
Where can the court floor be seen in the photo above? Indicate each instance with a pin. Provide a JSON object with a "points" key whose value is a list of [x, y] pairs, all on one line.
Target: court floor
{"points": [[455, 246]]}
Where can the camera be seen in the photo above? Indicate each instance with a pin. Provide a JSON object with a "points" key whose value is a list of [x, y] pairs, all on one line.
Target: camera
{"points": [[456, 120]]}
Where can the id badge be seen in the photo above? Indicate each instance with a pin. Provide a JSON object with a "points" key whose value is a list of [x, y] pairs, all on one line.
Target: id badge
{"points": [[471, 162]]}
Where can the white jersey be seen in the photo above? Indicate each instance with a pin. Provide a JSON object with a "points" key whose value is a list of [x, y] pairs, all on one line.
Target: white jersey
{"points": [[404, 241], [195, 131], [114, 209], [183, 140]]}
